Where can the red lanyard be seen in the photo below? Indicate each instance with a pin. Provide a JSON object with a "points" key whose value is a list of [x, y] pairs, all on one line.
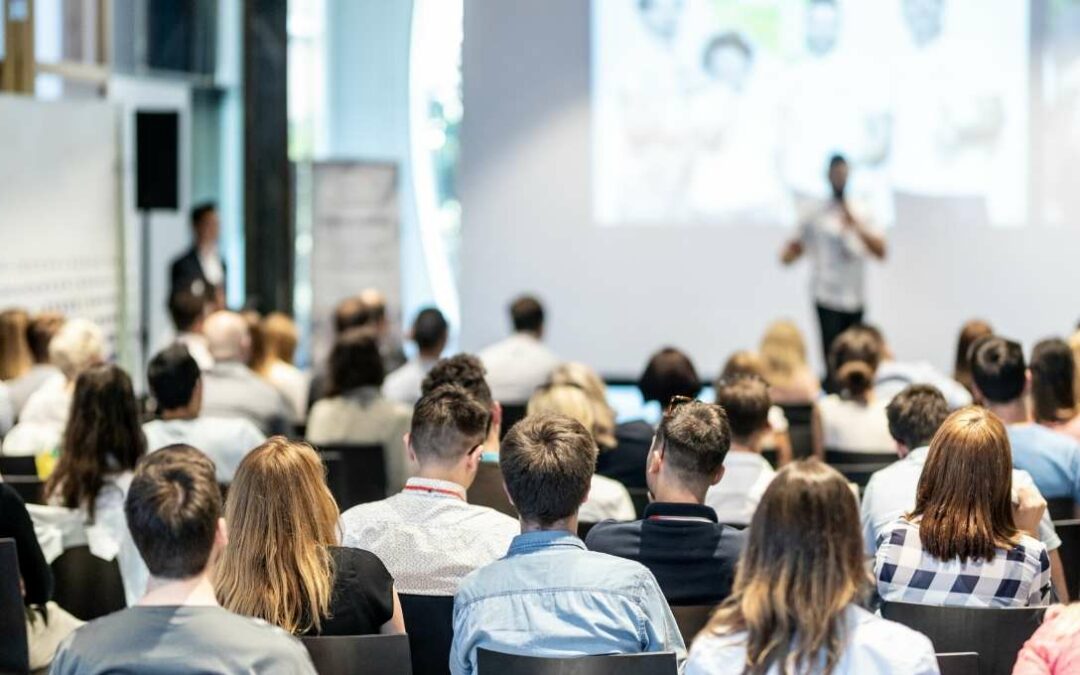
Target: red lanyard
{"points": [[434, 490]]}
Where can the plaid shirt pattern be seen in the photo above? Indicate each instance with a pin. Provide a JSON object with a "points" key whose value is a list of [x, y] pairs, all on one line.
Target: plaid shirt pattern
{"points": [[905, 572]]}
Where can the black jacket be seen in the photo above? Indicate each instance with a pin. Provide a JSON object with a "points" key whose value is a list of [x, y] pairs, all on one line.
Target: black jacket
{"points": [[187, 269]]}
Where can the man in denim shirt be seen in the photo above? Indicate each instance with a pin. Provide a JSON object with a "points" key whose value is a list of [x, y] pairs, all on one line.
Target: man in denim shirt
{"points": [[550, 596]]}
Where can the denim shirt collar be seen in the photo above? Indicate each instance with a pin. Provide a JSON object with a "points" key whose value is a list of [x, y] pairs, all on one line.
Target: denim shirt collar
{"points": [[531, 542]]}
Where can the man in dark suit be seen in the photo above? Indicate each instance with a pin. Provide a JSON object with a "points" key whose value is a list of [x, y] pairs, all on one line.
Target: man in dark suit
{"points": [[201, 269]]}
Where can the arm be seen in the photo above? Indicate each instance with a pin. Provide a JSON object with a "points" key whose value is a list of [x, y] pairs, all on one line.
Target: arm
{"points": [[873, 242], [1057, 577], [793, 250], [36, 573], [783, 448], [396, 624], [461, 649], [661, 631]]}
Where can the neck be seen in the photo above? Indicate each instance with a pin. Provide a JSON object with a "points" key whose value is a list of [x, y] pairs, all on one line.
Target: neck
{"points": [[569, 524], [752, 444], [179, 414], [452, 474], [431, 355], [672, 491], [195, 591], [530, 333], [1013, 412]]}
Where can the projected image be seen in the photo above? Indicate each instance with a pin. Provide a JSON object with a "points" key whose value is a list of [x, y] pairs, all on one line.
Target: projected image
{"points": [[727, 111]]}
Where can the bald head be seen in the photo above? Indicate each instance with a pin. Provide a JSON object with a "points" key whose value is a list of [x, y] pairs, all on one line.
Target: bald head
{"points": [[228, 337], [375, 302]]}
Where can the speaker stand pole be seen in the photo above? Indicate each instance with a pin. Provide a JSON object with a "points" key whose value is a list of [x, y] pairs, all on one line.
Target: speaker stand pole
{"points": [[144, 290]]}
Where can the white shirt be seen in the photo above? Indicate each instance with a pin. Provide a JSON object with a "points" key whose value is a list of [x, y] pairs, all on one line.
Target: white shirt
{"points": [[736, 496], [199, 349], [403, 385], [7, 410], [608, 500], [851, 426], [892, 377], [873, 645], [428, 536], [517, 366], [224, 440], [213, 270], [42, 420], [293, 384], [837, 255]]}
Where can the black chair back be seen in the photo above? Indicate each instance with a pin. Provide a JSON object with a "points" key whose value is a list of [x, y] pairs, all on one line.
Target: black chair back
{"points": [[21, 474], [345, 655], [497, 663], [966, 663], [691, 619], [772, 456], [14, 650], [429, 622], [1069, 531], [640, 497], [1061, 508], [857, 467], [355, 474], [512, 413], [487, 490], [996, 635], [583, 529], [87, 586], [799, 429]]}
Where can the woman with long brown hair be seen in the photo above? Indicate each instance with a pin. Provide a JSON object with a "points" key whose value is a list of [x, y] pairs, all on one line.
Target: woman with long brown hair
{"points": [[283, 563], [1053, 387], [795, 604], [966, 543]]}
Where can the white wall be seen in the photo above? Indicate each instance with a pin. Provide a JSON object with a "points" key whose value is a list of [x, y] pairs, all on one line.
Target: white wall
{"points": [[616, 294]]}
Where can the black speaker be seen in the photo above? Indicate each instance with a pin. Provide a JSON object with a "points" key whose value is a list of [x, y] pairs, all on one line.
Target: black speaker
{"points": [[157, 161]]}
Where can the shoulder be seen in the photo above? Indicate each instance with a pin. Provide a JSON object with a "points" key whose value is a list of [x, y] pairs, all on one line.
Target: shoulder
{"points": [[350, 563], [609, 535], [1033, 550], [898, 533], [714, 654], [870, 633]]}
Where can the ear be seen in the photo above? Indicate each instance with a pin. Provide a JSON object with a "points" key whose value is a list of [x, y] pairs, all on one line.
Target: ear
{"points": [[409, 452], [221, 534], [1027, 381], [496, 414], [655, 461], [902, 450], [717, 476], [473, 459]]}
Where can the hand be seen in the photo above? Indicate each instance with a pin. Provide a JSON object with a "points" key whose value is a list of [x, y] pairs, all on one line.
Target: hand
{"points": [[1028, 509]]}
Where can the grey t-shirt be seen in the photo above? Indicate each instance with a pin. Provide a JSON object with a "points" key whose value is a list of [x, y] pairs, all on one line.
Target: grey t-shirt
{"points": [[181, 640]]}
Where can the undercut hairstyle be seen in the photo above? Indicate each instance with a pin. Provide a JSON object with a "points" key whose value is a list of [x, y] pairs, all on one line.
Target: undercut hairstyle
{"points": [[854, 358], [172, 509], [186, 308], [1053, 385], [695, 438], [669, 373], [172, 375], [746, 402], [998, 369], [430, 329], [43, 327], [527, 314], [547, 462], [200, 211], [464, 370], [350, 313], [447, 423], [915, 415], [355, 362]]}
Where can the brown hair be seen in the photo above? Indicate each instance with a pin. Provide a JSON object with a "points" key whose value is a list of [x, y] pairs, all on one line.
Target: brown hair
{"points": [[351, 313], [39, 333], [282, 521], [355, 362], [964, 496], [801, 568], [280, 337], [743, 363], [669, 373], [970, 333], [15, 358], [915, 415], [547, 462], [464, 370], [695, 438], [854, 358], [746, 401], [1053, 381], [447, 423], [527, 314]]}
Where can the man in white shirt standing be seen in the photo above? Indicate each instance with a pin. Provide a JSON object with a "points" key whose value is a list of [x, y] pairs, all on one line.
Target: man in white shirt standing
{"points": [[839, 235], [519, 364], [430, 332]]}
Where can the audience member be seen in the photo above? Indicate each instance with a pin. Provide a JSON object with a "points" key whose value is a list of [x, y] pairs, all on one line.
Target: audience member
{"points": [[679, 539], [283, 563], [389, 345], [101, 446], [189, 311], [854, 419], [1074, 344], [428, 535], [966, 543], [519, 364], [280, 337], [550, 596], [796, 605], [430, 333], [174, 511], [7, 410], [201, 268], [15, 359], [231, 388], [39, 333], [783, 356], [970, 333], [466, 371], [177, 387], [746, 473], [580, 375], [1001, 382], [748, 364], [893, 375], [349, 313], [607, 498], [1054, 649], [356, 412], [1053, 387]]}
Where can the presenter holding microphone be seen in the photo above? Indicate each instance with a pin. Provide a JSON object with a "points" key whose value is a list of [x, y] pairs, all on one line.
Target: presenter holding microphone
{"points": [[839, 236]]}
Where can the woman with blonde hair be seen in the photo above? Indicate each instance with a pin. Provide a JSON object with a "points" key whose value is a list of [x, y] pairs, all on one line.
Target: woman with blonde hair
{"points": [[795, 606], [15, 359], [783, 358], [283, 563], [585, 378], [279, 337]]}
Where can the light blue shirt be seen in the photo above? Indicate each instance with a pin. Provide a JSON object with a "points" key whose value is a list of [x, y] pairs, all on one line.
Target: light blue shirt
{"points": [[1052, 459], [894, 376], [551, 597]]}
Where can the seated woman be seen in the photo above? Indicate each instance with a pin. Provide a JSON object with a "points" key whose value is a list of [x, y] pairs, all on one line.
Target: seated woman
{"points": [[283, 563], [1053, 387], [853, 420], [279, 337], [1054, 649], [784, 366], [795, 607], [966, 543]]}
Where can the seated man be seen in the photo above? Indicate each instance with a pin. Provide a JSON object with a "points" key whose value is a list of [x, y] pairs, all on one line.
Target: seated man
{"points": [[428, 536], [466, 371], [176, 385], [174, 510], [550, 596], [430, 333], [692, 556], [522, 362], [189, 311], [746, 473]]}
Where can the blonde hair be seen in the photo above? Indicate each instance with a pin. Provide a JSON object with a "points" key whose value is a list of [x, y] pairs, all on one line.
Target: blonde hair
{"points": [[582, 376], [282, 521], [1074, 344], [15, 358], [78, 345], [564, 399], [783, 353], [280, 337]]}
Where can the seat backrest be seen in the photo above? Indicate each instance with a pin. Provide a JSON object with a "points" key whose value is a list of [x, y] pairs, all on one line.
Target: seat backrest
{"points": [[857, 467], [640, 497], [512, 413], [1061, 508], [996, 635], [964, 663], [799, 429], [798, 415], [355, 474], [583, 529], [487, 490], [772, 456], [345, 655], [21, 474], [87, 586], [691, 619], [18, 466], [429, 622], [498, 663], [1069, 531], [14, 651]]}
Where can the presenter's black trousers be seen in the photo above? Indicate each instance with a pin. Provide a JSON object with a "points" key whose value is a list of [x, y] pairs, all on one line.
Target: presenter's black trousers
{"points": [[833, 322]]}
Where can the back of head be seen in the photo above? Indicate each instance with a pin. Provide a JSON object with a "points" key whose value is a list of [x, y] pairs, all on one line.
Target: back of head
{"points": [[783, 352], [355, 362], [282, 520], [39, 334], [743, 363], [1053, 381], [15, 358], [564, 399], [547, 462], [854, 359], [187, 308], [228, 336], [172, 509], [464, 370], [447, 423], [998, 369], [585, 378], [430, 331], [695, 438], [746, 402], [964, 496], [280, 336], [172, 375], [200, 211], [915, 415], [78, 345], [970, 333], [375, 301], [669, 373], [351, 313], [800, 569], [527, 314]]}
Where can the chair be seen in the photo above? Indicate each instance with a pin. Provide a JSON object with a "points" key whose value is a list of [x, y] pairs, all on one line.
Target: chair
{"points": [[691, 619], [429, 622], [14, 651], [799, 429], [996, 635], [857, 467], [966, 663], [487, 490], [343, 655], [1061, 508], [511, 415], [497, 663], [583, 530], [772, 457], [355, 474], [640, 497], [1069, 531], [21, 474], [87, 586]]}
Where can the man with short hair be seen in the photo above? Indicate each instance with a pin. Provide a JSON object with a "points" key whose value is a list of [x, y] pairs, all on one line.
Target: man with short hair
{"points": [[550, 596], [348, 314], [173, 510], [188, 311], [430, 333], [428, 535], [680, 540], [466, 371], [201, 269], [389, 346], [176, 385], [519, 364]]}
